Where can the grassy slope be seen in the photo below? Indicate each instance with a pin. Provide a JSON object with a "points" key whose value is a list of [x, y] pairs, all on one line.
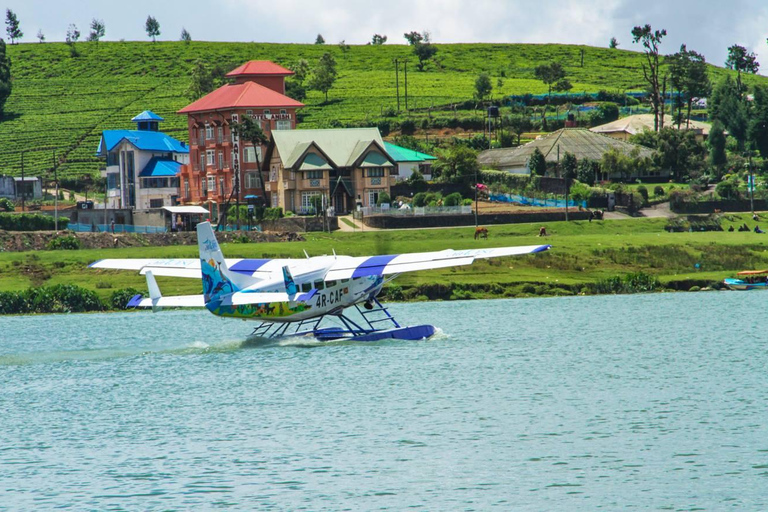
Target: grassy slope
{"points": [[582, 252], [66, 102]]}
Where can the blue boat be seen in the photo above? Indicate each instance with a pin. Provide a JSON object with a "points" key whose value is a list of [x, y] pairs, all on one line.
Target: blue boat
{"points": [[748, 280]]}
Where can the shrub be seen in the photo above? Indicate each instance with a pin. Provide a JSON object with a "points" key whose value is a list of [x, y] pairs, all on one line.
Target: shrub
{"points": [[383, 198], [727, 189], [68, 243], [420, 199], [452, 199], [467, 202], [529, 288], [30, 222], [408, 127], [6, 204], [60, 298], [273, 213], [120, 298], [643, 192], [658, 191]]}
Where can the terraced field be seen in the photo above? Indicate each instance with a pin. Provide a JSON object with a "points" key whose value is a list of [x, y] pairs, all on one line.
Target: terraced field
{"points": [[63, 102]]}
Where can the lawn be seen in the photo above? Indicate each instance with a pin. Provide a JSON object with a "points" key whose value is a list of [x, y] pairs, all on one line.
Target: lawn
{"points": [[582, 253]]}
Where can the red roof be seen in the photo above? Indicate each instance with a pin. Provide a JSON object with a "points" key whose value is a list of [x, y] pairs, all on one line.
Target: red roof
{"points": [[260, 67], [245, 95]]}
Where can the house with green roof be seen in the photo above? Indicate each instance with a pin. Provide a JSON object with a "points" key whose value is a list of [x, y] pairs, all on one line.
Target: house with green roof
{"points": [[409, 160], [346, 167]]}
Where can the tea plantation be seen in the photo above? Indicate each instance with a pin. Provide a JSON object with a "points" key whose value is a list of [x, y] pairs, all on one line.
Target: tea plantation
{"points": [[64, 102]]}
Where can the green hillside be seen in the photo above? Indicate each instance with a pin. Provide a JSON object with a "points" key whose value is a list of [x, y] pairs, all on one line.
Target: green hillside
{"points": [[65, 102]]}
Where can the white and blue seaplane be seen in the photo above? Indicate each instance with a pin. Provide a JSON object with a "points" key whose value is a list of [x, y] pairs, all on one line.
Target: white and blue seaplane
{"points": [[292, 297]]}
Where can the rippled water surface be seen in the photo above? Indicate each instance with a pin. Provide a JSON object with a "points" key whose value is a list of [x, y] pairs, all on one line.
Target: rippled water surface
{"points": [[645, 402]]}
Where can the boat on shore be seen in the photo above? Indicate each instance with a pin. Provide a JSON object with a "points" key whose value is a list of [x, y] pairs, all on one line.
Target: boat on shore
{"points": [[748, 280]]}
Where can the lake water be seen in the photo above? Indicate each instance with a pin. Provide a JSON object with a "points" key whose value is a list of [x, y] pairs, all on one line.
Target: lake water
{"points": [[583, 403]]}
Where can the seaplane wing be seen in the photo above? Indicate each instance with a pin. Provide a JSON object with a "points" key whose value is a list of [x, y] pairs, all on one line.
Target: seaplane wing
{"points": [[190, 268], [398, 263]]}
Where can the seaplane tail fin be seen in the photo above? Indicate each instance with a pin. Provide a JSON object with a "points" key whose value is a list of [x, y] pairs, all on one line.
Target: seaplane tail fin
{"points": [[290, 286], [218, 280], [154, 292]]}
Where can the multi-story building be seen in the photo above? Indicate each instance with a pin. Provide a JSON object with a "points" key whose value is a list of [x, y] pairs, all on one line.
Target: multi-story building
{"points": [[143, 165], [346, 167], [216, 154]]}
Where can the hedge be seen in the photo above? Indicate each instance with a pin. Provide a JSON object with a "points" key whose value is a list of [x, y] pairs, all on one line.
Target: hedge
{"points": [[30, 222]]}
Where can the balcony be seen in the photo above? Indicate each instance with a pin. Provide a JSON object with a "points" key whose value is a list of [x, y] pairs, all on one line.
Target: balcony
{"points": [[289, 185]]}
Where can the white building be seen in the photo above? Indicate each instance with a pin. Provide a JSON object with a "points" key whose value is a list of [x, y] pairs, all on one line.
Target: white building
{"points": [[142, 165], [409, 160]]}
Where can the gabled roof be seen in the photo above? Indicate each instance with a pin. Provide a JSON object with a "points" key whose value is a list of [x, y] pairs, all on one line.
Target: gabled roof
{"points": [[644, 122], [160, 168], [314, 162], [260, 67], [143, 140], [401, 154], [245, 95], [147, 115], [341, 147], [580, 142]]}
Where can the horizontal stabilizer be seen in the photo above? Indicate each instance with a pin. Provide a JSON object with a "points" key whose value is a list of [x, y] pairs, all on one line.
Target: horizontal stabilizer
{"points": [[178, 301], [242, 298]]}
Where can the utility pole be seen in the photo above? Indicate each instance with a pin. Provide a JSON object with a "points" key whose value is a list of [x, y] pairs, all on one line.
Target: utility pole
{"points": [[22, 181], [56, 194], [397, 83], [405, 71], [476, 224], [751, 184]]}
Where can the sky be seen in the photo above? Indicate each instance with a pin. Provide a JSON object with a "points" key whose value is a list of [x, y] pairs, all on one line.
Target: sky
{"points": [[706, 26]]}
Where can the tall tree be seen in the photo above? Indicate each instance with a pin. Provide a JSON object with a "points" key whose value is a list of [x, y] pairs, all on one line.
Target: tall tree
{"points": [[378, 39], [202, 81], [613, 44], [294, 87], [537, 164], [98, 29], [5, 76], [483, 86], [185, 36], [248, 130], [758, 122], [422, 47], [344, 47], [742, 61], [319, 39], [12, 26], [726, 105], [688, 74], [651, 40], [569, 166], [716, 142], [152, 27], [40, 36], [553, 75], [324, 75], [300, 70], [458, 164], [73, 35]]}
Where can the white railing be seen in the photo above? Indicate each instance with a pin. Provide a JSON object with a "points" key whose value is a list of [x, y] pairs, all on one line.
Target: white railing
{"points": [[426, 210]]}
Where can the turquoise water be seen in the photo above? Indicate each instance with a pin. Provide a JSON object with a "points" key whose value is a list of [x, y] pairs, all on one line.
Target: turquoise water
{"points": [[583, 403]]}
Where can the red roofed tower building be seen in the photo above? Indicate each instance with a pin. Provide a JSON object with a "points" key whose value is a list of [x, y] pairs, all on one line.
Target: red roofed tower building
{"points": [[215, 153]]}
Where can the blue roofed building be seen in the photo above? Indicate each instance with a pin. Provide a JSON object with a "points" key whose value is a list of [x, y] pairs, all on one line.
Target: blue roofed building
{"points": [[409, 160], [143, 165]]}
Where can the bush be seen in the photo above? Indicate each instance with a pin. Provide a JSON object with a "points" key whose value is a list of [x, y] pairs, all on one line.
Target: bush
{"points": [[6, 204], [452, 199], [643, 192], [273, 213], [68, 243], [408, 127], [120, 298], [383, 198], [420, 200], [658, 191], [728, 189], [467, 202], [30, 222], [61, 298]]}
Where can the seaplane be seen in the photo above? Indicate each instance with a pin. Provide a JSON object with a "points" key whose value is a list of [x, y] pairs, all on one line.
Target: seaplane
{"points": [[295, 297]]}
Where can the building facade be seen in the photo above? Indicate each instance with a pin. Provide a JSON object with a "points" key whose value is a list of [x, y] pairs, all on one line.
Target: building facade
{"points": [[217, 156], [346, 168], [409, 160], [142, 165]]}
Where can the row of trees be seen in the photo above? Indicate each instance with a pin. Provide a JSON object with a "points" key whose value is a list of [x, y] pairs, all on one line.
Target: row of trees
{"points": [[98, 30]]}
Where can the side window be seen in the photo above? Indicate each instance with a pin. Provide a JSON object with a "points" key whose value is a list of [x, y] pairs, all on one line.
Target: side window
{"points": [[319, 284], [344, 281], [305, 287], [330, 284]]}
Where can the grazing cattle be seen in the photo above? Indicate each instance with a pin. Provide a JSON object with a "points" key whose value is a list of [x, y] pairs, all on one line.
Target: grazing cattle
{"points": [[481, 232]]}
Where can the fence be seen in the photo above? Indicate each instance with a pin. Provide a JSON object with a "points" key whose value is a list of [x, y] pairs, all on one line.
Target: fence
{"points": [[532, 201], [420, 211], [119, 228]]}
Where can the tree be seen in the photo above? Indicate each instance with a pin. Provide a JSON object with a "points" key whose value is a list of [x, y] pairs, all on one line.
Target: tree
{"points": [[614, 163], [725, 105], [569, 165], [250, 131], [457, 165], [716, 142], [585, 172], [344, 47], [202, 81], [688, 74], [73, 35], [679, 152], [185, 36], [12, 26], [758, 123], [651, 40], [300, 70], [422, 47], [551, 74], [40, 36], [483, 86], [5, 76], [294, 87], [152, 27], [324, 75], [97, 30], [537, 164], [319, 39], [378, 39], [742, 61], [613, 44]]}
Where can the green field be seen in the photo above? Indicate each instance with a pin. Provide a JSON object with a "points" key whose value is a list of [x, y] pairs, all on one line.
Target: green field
{"points": [[582, 253], [65, 102]]}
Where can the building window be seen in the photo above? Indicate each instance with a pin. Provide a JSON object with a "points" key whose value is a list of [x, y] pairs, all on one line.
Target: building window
{"points": [[210, 155], [273, 173], [204, 186], [249, 113], [283, 125], [275, 203], [221, 160], [113, 158], [306, 201], [186, 189], [266, 112], [212, 184], [208, 131], [155, 203], [376, 172], [373, 196], [283, 111], [220, 134], [252, 180], [221, 186], [314, 175], [112, 180], [249, 154]]}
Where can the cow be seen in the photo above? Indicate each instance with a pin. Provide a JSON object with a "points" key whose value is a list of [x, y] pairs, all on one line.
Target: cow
{"points": [[481, 232]]}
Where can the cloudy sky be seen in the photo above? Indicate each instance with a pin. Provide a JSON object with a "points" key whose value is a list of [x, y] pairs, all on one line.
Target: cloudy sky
{"points": [[704, 25]]}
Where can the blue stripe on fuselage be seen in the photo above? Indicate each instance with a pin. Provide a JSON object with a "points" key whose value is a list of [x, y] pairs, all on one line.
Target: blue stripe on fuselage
{"points": [[374, 266], [248, 266]]}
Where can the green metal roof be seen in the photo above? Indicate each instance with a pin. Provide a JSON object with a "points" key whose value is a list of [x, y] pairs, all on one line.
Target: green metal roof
{"points": [[314, 162], [375, 159], [401, 154]]}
